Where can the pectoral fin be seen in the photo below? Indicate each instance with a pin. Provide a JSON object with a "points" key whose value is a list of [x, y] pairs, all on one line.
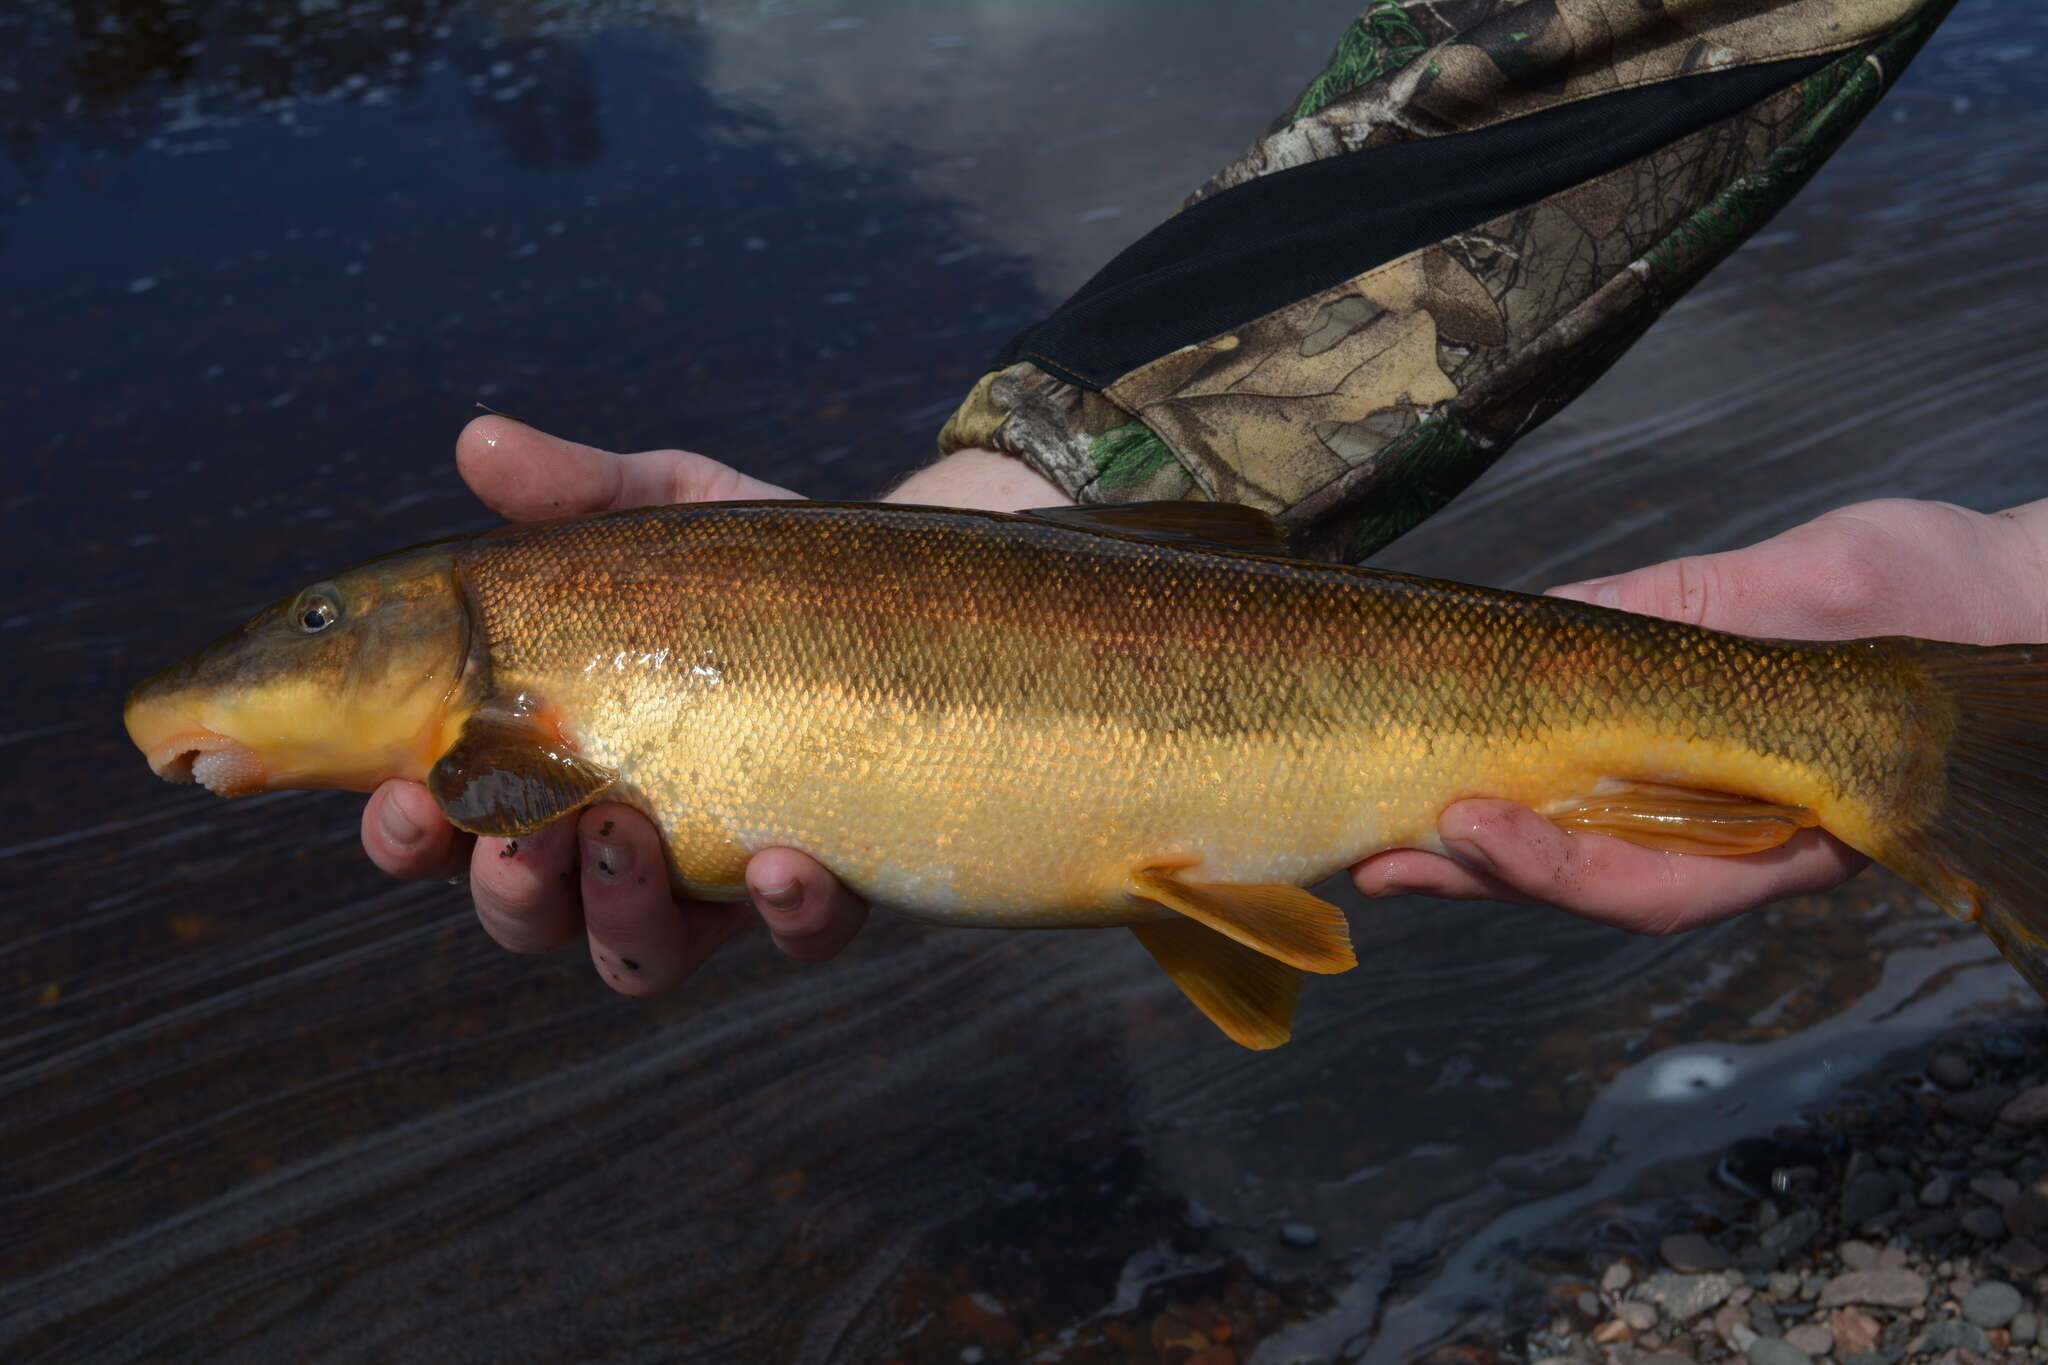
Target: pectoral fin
{"points": [[1245, 993], [509, 774], [1283, 922], [1681, 819]]}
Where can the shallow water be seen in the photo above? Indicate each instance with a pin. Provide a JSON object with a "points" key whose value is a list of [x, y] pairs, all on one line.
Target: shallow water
{"points": [[257, 1103]]}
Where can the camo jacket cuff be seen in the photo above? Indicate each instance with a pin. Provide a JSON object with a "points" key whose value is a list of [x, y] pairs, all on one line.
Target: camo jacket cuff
{"points": [[1470, 214]]}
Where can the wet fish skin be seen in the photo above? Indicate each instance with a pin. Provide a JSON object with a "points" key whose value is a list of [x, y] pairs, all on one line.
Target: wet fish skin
{"points": [[1001, 720]]}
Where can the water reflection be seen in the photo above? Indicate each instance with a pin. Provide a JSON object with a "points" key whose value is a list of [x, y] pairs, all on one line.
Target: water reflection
{"points": [[259, 1103]]}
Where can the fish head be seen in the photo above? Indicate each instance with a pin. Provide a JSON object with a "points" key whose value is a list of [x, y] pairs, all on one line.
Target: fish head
{"points": [[343, 684]]}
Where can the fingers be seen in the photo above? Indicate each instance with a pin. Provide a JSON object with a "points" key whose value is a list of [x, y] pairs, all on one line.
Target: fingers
{"points": [[524, 474], [641, 941], [404, 834], [809, 914], [1412, 872], [1630, 887], [525, 889]]}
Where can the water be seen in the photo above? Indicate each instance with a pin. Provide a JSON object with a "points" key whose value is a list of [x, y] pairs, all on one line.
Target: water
{"points": [[256, 1102]]}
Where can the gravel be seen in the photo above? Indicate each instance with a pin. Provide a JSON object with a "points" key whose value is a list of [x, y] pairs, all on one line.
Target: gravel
{"points": [[1820, 1245]]}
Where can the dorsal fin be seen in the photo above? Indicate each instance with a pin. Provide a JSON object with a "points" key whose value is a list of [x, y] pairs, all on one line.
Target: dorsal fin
{"points": [[1221, 525]]}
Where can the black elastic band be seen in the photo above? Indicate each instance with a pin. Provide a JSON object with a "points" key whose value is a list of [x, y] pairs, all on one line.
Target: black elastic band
{"points": [[1245, 251]]}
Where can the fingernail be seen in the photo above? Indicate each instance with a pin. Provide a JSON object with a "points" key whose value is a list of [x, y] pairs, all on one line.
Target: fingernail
{"points": [[1468, 853], [1600, 592], [397, 828], [612, 861], [783, 897]]}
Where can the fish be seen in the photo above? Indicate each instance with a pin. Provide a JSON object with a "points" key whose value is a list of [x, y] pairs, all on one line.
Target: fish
{"points": [[1147, 716]]}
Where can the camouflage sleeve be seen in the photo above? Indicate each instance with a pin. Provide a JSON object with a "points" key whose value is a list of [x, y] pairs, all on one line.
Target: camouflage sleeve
{"points": [[1473, 210]]}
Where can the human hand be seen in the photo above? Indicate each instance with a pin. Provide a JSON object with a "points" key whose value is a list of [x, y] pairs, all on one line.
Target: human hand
{"points": [[600, 875], [1893, 567]]}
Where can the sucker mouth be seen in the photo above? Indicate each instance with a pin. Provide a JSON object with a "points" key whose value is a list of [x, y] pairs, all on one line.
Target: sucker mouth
{"points": [[225, 767]]}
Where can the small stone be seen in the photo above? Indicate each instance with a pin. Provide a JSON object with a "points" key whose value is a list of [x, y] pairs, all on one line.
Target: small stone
{"points": [[1814, 1338], [2000, 1190], [1954, 1332], [1741, 1336], [1985, 1224], [2021, 1256], [1880, 1288], [1951, 1071], [2028, 1214], [2025, 1328], [1994, 1303], [1684, 1297], [1868, 1195], [1783, 1285], [1932, 1227], [1767, 1215], [1977, 1107], [1640, 1316], [1894, 1258], [1616, 1277], [1789, 1236], [2028, 1109], [1300, 1235], [1692, 1253], [1588, 1303], [1775, 1351], [1937, 1191], [1763, 1320], [1858, 1255], [1853, 1330], [1612, 1331]]}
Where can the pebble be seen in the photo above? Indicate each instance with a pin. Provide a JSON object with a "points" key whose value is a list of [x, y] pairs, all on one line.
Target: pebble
{"points": [[1854, 1330], [1951, 1071], [1690, 1252], [1993, 1303], [1588, 1303], [2025, 1328], [1783, 1285], [1776, 1351], [2028, 1109], [1999, 1189], [1985, 1224], [1858, 1255], [1684, 1297], [1640, 1316], [1812, 1337], [1302, 1235], [1789, 1236], [1879, 1288], [1977, 1107], [1868, 1195], [1616, 1277], [1937, 1191], [1954, 1332]]}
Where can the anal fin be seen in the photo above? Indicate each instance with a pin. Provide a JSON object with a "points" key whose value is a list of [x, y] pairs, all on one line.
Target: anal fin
{"points": [[1283, 922], [1245, 993], [1681, 819]]}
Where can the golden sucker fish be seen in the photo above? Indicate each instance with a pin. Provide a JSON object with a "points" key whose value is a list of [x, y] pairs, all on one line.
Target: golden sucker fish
{"points": [[1146, 716]]}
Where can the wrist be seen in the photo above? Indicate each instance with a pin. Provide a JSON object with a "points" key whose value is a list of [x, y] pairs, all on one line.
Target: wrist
{"points": [[985, 479]]}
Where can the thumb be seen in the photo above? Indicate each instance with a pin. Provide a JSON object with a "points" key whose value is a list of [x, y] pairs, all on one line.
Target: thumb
{"points": [[524, 474], [1703, 590]]}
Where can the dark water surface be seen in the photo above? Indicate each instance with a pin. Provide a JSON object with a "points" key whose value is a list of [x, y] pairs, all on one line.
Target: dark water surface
{"points": [[257, 261]]}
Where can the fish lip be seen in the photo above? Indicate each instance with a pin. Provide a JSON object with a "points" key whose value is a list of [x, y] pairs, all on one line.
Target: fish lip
{"points": [[237, 772]]}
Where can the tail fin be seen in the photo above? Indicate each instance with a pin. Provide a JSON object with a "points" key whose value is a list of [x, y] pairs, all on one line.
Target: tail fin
{"points": [[1983, 853]]}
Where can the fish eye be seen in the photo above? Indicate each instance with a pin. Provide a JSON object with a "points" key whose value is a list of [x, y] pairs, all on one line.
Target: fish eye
{"points": [[316, 610]]}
